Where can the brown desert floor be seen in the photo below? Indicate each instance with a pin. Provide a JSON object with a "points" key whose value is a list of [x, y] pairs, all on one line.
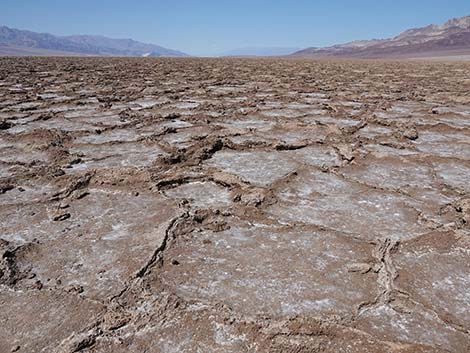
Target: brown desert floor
{"points": [[234, 205]]}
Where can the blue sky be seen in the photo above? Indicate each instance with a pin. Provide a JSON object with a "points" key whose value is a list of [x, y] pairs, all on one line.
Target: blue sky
{"points": [[214, 26]]}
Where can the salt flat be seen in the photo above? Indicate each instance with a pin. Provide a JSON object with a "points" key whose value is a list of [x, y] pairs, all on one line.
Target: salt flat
{"points": [[234, 205]]}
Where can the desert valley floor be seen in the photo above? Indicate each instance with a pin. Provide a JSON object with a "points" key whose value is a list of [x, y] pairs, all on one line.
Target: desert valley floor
{"points": [[234, 205]]}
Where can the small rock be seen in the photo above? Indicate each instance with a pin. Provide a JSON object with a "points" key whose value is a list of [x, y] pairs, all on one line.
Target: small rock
{"points": [[361, 268], [74, 288], [408, 130], [411, 133], [346, 152], [324, 168], [63, 205], [61, 217]]}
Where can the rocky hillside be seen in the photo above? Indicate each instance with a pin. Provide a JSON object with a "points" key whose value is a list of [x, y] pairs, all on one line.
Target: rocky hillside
{"points": [[451, 38]]}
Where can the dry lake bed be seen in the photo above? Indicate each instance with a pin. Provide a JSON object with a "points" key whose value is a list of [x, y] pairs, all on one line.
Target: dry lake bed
{"points": [[234, 205]]}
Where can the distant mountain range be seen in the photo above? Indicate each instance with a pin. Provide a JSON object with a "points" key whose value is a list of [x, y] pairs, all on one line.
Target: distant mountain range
{"points": [[20, 42], [449, 39], [260, 51]]}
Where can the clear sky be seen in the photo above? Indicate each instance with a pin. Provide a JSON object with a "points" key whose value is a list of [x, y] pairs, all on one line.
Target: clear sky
{"points": [[210, 27]]}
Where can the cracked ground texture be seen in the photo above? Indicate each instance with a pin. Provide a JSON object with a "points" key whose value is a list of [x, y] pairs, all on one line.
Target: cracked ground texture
{"points": [[203, 205]]}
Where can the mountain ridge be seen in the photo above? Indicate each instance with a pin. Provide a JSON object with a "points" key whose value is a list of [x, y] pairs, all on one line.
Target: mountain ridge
{"points": [[452, 36], [24, 42]]}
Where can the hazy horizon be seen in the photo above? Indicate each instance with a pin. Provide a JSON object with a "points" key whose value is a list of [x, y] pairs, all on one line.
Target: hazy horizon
{"points": [[211, 28]]}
